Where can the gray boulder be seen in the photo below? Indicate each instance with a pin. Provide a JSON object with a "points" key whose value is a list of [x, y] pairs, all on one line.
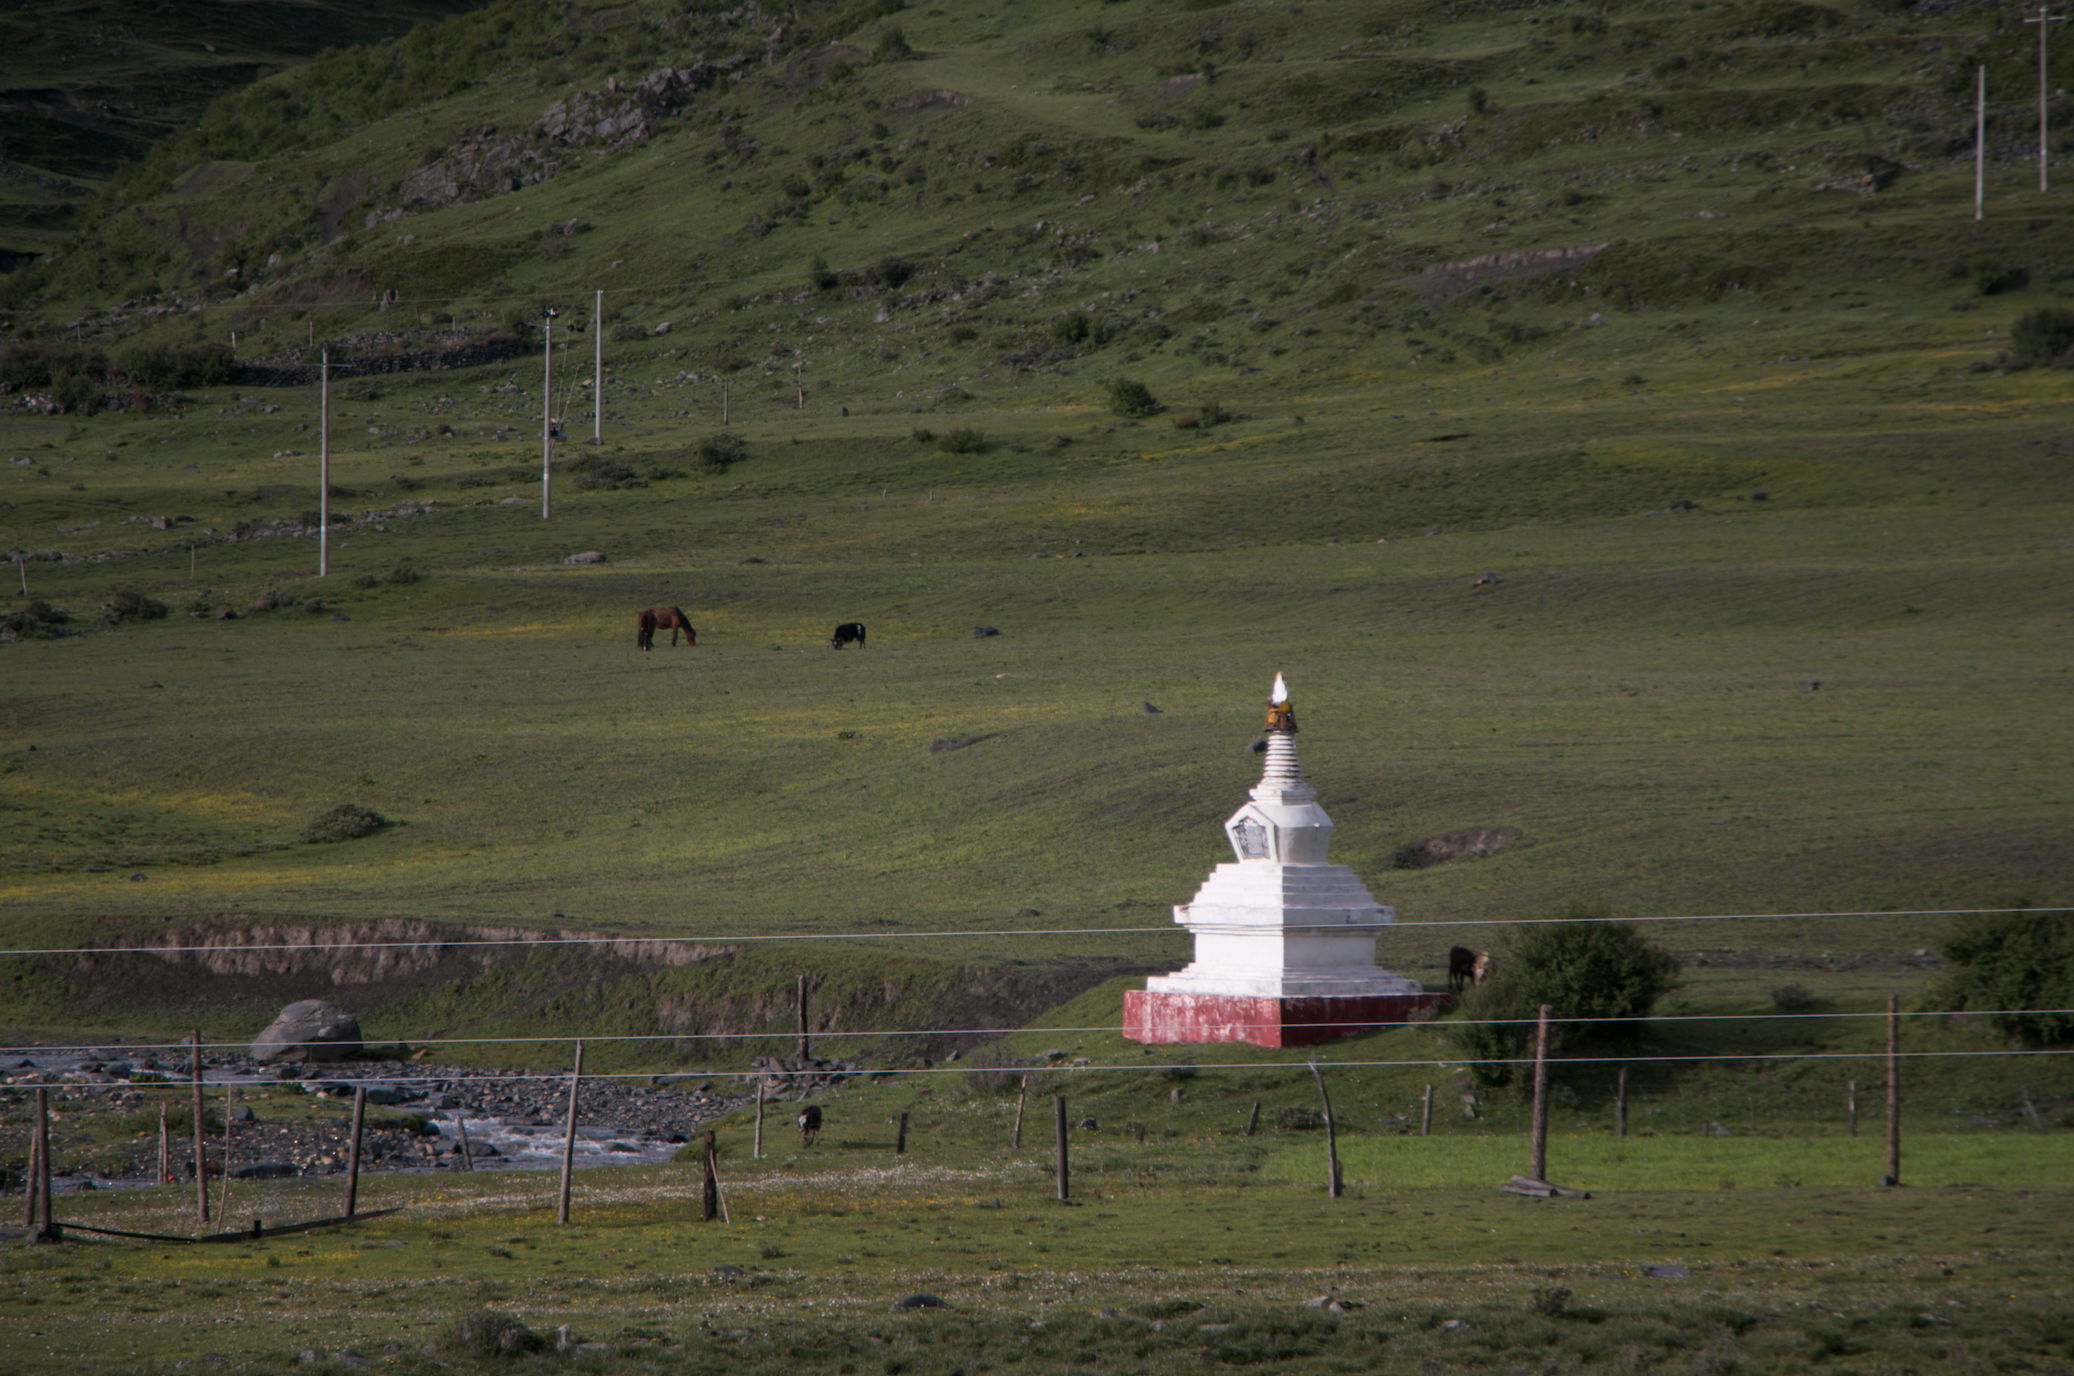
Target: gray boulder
{"points": [[311, 1030]]}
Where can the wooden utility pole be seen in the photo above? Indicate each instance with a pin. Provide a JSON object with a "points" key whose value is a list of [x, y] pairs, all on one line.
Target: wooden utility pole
{"points": [[1538, 1163], [353, 1150], [1333, 1185], [547, 401], [1980, 146], [324, 465], [201, 1154], [1893, 1176], [1058, 1128], [569, 1139], [2041, 21]]}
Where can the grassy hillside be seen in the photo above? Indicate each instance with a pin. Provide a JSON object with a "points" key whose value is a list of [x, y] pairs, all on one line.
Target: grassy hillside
{"points": [[1537, 392]]}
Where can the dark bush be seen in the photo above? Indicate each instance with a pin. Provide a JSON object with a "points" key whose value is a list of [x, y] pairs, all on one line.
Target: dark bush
{"points": [[611, 477], [37, 621], [160, 367], [38, 365], [346, 822], [2045, 335], [714, 453], [889, 272], [893, 46], [2017, 967], [1791, 998], [484, 1334], [405, 574], [1129, 397], [131, 606], [1587, 968], [1297, 1118], [1992, 276], [77, 393], [922, 434], [962, 439], [1073, 327], [819, 276], [993, 1068]]}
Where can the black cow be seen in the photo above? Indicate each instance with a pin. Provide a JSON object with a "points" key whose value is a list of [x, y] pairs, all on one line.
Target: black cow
{"points": [[847, 632], [809, 1124], [1466, 967]]}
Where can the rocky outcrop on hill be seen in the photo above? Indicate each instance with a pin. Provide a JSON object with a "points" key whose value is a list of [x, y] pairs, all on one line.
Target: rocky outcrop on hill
{"points": [[308, 1030], [488, 162]]}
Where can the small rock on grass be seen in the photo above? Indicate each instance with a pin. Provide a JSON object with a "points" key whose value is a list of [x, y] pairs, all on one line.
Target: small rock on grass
{"points": [[907, 1304]]}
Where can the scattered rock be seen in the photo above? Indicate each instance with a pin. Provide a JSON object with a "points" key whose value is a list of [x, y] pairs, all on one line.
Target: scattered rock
{"points": [[982, 632], [1475, 842], [311, 1030], [587, 557], [1662, 1272], [1148, 709], [907, 1304]]}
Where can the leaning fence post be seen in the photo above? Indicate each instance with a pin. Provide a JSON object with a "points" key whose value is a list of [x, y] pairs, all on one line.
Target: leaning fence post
{"points": [[569, 1141], [1333, 1186], [1538, 1167], [1015, 1137], [38, 1181], [1253, 1119], [709, 1192], [1426, 1112], [1058, 1124], [353, 1150], [461, 1134], [1893, 1176], [201, 1154]]}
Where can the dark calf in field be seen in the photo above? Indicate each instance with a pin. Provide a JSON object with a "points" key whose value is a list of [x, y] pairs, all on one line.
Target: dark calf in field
{"points": [[1466, 967], [809, 1124], [847, 632]]}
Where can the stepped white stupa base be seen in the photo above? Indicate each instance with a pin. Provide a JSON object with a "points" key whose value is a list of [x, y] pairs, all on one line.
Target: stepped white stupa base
{"points": [[1284, 940], [1164, 1018]]}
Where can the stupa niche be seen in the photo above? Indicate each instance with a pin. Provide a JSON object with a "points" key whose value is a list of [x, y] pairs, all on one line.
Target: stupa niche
{"points": [[1284, 940]]}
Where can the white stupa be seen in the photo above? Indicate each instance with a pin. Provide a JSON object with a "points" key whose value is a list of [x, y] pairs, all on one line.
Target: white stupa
{"points": [[1284, 939]]}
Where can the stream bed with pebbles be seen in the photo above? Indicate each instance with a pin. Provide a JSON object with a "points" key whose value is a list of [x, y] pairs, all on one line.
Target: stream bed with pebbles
{"points": [[509, 1119]]}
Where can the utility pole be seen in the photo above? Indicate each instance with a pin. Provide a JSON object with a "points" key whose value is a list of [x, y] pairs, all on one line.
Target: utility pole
{"points": [[1980, 145], [547, 399], [2041, 21], [324, 465]]}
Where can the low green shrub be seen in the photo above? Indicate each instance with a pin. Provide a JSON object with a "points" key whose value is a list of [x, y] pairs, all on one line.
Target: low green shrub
{"points": [[962, 439], [2045, 335], [2017, 967], [346, 822], [1129, 397]]}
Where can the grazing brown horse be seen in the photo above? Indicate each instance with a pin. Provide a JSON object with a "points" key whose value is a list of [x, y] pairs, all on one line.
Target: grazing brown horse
{"points": [[655, 619]]}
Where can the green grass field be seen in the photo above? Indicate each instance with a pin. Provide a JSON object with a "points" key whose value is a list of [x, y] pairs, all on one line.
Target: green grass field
{"points": [[1719, 556]]}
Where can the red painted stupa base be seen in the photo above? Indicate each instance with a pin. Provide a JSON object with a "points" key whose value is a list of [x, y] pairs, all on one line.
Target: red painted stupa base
{"points": [[1168, 1019]]}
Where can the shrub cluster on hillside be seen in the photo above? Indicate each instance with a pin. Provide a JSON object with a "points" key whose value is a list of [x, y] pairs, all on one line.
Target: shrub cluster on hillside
{"points": [[2015, 968]]}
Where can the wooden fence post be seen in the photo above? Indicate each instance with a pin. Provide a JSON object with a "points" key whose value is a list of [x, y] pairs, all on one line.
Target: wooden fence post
{"points": [[805, 1049], [353, 1150], [201, 1154], [1333, 1185], [1851, 1104], [1015, 1137], [1253, 1119], [1893, 1176], [38, 1182], [569, 1141], [1058, 1123], [1620, 1103], [461, 1132], [229, 1107], [1426, 1112], [1538, 1166], [756, 1149], [165, 1147], [709, 1193], [900, 1137]]}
